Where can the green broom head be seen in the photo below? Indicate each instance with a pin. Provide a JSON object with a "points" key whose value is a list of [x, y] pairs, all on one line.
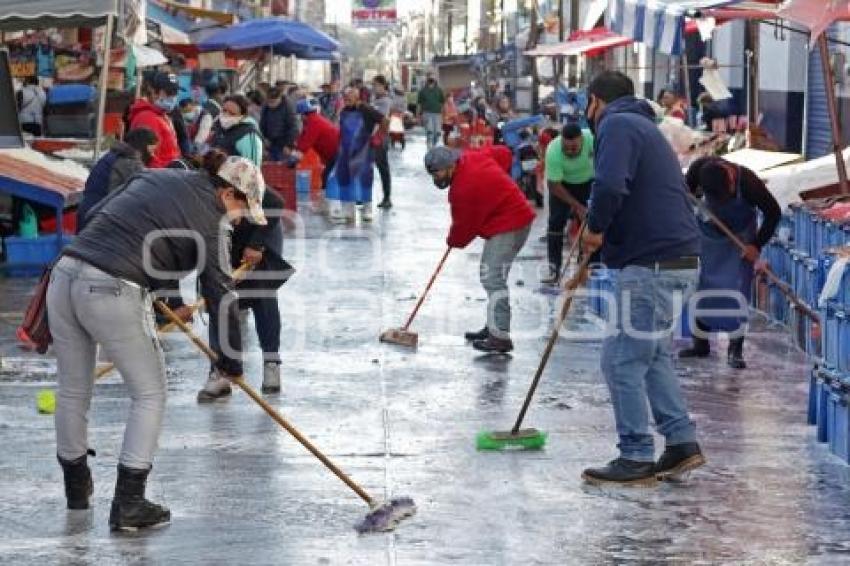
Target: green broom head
{"points": [[525, 439]]}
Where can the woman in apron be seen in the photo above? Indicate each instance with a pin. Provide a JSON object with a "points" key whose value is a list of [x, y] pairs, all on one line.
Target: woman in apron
{"points": [[735, 195]]}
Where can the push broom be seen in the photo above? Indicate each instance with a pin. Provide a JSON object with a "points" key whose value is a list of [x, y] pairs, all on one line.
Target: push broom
{"points": [[531, 438], [381, 517], [783, 287], [403, 336]]}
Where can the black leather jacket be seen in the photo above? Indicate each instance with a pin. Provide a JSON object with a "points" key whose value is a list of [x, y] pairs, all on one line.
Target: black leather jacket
{"points": [[171, 221]]}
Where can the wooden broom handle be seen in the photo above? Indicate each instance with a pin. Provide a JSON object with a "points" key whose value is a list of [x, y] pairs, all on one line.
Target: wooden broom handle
{"points": [[240, 381], [427, 288], [783, 287]]}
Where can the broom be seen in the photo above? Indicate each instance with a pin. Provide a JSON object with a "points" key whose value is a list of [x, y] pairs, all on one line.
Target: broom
{"points": [[381, 517], [531, 438], [783, 287], [402, 336]]}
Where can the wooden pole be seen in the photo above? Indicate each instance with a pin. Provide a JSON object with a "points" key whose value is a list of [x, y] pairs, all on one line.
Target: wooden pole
{"points": [[104, 81], [829, 84]]}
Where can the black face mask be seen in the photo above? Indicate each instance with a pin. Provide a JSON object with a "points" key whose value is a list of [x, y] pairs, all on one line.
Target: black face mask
{"points": [[443, 183]]}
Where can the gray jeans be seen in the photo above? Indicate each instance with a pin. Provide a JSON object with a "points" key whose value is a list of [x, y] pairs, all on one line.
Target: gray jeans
{"points": [[496, 261], [87, 307]]}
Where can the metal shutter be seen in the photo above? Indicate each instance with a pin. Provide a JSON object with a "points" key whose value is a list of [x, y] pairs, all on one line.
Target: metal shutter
{"points": [[818, 129]]}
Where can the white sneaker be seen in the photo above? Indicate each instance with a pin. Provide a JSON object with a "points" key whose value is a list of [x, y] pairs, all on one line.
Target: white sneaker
{"points": [[335, 212], [216, 388], [366, 212], [271, 377]]}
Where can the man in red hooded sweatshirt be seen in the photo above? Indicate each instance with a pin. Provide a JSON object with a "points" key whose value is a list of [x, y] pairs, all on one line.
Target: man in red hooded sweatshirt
{"points": [[153, 113], [485, 202]]}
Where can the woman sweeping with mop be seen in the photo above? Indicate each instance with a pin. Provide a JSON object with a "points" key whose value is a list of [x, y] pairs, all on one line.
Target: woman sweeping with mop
{"points": [[159, 226], [735, 195]]}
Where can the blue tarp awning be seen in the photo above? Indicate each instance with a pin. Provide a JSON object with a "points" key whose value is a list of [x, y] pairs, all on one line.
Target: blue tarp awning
{"points": [[659, 24], [285, 37]]}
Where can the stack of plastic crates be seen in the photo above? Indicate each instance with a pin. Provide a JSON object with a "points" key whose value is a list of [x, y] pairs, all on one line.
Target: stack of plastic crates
{"points": [[829, 390]]}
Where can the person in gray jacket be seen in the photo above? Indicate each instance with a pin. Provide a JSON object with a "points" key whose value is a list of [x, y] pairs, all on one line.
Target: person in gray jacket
{"points": [[161, 225]]}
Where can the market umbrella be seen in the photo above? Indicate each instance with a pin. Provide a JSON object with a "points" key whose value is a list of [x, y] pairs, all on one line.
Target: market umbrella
{"points": [[817, 15], [285, 37]]}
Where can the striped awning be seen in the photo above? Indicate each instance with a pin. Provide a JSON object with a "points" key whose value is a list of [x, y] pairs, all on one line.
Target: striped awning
{"points": [[657, 24]]}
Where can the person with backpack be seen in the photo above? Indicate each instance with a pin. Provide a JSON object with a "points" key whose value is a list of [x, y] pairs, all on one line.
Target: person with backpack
{"points": [[124, 159], [208, 120]]}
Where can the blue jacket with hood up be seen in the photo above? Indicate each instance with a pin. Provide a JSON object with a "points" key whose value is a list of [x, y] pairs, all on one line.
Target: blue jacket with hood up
{"points": [[638, 199]]}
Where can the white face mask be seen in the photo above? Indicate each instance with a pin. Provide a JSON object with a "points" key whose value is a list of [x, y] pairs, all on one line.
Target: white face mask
{"points": [[227, 121]]}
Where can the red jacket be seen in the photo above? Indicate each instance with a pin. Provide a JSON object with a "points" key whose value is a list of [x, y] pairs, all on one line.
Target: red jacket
{"points": [[501, 154], [484, 199], [143, 114], [319, 134]]}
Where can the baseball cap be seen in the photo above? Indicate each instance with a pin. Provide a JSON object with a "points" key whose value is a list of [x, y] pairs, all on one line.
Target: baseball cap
{"points": [[166, 82], [440, 157], [246, 178]]}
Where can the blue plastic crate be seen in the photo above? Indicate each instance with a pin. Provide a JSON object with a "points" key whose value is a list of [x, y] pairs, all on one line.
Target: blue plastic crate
{"points": [[27, 257], [814, 385], [838, 421], [843, 354], [815, 278], [829, 336], [824, 390], [602, 285]]}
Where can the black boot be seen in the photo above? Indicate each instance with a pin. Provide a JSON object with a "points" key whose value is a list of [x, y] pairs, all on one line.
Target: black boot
{"points": [[130, 510], [735, 355], [482, 334], [78, 482], [678, 459], [385, 203], [493, 345], [622, 472], [701, 348]]}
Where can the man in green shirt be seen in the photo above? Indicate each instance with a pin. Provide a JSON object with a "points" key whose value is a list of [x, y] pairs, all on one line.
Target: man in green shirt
{"points": [[431, 99], [569, 174]]}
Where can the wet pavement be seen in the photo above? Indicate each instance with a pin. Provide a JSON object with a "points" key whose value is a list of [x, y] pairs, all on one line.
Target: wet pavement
{"points": [[403, 422]]}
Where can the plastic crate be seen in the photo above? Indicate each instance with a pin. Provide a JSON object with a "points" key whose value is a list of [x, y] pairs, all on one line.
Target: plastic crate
{"points": [[814, 385], [27, 257], [303, 180], [838, 421], [829, 336], [842, 321], [823, 392]]}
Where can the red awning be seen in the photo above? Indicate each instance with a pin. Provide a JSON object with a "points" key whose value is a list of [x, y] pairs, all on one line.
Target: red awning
{"points": [[590, 43]]}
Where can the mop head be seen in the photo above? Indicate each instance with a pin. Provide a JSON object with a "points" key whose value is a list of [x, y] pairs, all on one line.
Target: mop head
{"points": [[400, 337], [385, 516], [525, 439]]}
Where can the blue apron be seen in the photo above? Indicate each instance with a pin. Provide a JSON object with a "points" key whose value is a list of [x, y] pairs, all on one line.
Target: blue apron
{"points": [[351, 178], [722, 267]]}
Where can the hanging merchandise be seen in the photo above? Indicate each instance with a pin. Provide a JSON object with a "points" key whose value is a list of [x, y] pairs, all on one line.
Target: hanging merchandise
{"points": [[28, 226], [45, 58]]}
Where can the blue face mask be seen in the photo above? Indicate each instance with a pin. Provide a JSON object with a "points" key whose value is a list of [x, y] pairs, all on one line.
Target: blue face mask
{"points": [[168, 104]]}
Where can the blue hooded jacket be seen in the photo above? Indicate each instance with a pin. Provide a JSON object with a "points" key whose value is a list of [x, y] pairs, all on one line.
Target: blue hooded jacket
{"points": [[638, 199]]}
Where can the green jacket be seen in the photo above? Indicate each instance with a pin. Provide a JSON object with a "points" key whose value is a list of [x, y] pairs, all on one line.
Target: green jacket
{"points": [[431, 99]]}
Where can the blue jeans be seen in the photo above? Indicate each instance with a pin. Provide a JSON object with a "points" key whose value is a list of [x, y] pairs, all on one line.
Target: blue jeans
{"points": [[637, 363]]}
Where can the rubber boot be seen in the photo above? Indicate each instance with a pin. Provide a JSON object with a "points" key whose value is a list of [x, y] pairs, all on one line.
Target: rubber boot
{"points": [[271, 377], [701, 348], [735, 355], [130, 510], [78, 482]]}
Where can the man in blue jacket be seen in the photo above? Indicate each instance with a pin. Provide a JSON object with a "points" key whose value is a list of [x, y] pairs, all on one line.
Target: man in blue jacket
{"points": [[639, 215]]}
